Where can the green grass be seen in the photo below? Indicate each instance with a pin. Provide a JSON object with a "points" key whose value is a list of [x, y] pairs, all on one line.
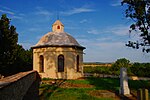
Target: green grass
{"points": [[72, 94], [78, 81], [52, 92], [104, 83]]}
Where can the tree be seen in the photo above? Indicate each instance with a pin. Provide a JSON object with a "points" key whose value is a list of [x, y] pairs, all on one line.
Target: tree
{"points": [[139, 12], [123, 62], [141, 69], [8, 44], [13, 57], [23, 60]]}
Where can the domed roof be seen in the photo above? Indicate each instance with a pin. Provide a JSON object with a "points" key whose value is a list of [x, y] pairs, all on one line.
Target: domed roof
{"points": [[57, 38]]}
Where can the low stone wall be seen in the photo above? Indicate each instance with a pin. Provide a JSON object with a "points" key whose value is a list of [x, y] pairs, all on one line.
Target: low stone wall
{"points": [[21, 86], [114, 76]]}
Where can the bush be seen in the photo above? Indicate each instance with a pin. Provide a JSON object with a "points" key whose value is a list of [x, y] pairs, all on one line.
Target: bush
{"points": [[141, 69], [97, 69], [138, 69]]}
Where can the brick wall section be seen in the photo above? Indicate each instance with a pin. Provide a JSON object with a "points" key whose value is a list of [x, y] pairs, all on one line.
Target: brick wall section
{"points": [[21, 86]]}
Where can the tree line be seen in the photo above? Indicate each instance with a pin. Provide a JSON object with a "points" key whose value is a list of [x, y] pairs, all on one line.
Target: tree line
{"points": [[137, 69], [13, 57]]}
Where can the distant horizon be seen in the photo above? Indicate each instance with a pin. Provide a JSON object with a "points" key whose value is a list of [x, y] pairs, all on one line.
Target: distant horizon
{"points": [[112, 62], [98, 25]]}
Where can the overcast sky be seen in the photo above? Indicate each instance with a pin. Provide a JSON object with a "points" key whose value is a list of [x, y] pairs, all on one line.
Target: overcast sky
{"points": [[99, 25]]}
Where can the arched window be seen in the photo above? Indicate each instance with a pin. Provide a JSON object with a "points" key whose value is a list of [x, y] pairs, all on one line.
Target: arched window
{"points": [[41, 67], [77, 63], [60, 63], [58, 27]]}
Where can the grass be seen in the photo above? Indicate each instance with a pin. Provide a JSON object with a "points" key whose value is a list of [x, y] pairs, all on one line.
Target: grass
{"points": [[54, 92], [72, 94]]}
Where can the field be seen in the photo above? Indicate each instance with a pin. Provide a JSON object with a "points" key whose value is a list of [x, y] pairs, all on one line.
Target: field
{"points": [[87, 89]]}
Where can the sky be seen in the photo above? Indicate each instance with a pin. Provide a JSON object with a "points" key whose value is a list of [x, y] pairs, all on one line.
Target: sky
{"points": [[98, 25]]}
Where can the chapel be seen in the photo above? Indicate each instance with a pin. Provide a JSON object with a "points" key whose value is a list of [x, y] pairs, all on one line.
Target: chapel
{"points": [[58, 55]]}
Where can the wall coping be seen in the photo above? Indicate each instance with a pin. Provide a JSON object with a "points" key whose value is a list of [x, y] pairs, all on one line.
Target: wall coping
{"points": [[13, 78]]}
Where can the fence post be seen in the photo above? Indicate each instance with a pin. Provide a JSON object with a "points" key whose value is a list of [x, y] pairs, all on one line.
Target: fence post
{"points": [[145, 94], [142, 94]]}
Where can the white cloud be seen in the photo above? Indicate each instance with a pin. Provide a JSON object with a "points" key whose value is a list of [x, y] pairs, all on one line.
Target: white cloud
{"points": [[83, 21], [111, 51], [117, 30], [77, 11], [7, 12], [100, 49], [94, 31], [116, 3], [6, 8], [13, 14], [104, 39], [16, 17], [42, 11]]}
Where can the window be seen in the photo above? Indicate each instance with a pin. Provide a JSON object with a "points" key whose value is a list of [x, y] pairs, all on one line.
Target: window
{"points": [[41, 69], [60, 63], [58, 27], [77, 63]]}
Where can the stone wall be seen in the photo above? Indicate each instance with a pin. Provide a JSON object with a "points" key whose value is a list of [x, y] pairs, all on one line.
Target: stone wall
{"points": [[21, 86]]}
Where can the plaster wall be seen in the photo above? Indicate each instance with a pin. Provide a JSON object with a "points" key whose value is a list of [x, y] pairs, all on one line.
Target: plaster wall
{"points": [[51, 54]]}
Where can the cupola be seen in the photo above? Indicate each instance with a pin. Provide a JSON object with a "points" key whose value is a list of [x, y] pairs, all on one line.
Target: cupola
{"points": [[58, 26]]}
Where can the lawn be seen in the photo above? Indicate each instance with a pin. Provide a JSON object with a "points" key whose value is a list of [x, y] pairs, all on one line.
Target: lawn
{"points": [[86, 89]]}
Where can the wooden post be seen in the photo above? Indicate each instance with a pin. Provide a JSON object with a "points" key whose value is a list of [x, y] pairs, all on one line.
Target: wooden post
{"points": [[142, 94], [139, 94], [145, 94]]}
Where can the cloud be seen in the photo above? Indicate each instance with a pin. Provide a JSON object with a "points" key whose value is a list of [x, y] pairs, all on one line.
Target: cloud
{"points": [[116, 3], [83, 21], [104, 39], [120, 30], [7, 12], [110, 52], [77, 11], [6, 8], [101, 49], [16, 17], [13, 14], [94, 31], [42, 11]]}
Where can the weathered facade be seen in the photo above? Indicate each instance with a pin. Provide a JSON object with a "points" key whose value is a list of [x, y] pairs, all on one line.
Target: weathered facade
{"points": [[58, 55]]}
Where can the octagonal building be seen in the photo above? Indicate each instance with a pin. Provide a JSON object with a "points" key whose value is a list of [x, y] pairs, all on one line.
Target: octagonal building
{"points": [[58, 55]]}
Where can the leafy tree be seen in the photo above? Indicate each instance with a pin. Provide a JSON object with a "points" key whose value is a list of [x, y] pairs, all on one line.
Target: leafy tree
{"points": [[123, 62], [13, 57], [23, 60], [141, 69], [139, 12], [118, 64], [8, 44]]}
